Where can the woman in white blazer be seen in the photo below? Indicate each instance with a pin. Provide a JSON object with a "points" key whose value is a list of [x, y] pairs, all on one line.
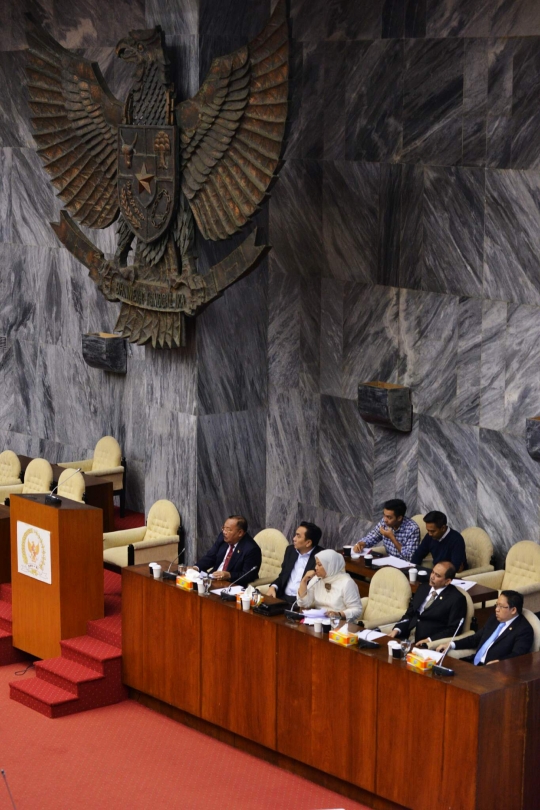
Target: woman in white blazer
{"points": [[330, 587]]}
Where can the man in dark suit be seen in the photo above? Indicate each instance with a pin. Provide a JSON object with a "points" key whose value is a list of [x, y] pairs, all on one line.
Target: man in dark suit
{"points": [[506, 634], [435, 610], [299, 558], [234, 554], [442, 542]]}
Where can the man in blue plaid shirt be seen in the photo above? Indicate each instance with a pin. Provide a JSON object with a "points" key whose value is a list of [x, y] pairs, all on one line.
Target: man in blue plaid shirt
{"points": [[400, 534]]}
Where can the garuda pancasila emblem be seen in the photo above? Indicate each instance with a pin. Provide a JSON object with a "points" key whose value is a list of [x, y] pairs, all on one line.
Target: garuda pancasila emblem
{"points": [[157, 166]]}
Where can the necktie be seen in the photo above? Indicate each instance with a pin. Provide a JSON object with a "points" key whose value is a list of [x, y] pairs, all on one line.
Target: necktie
{"points": [[487, 644], [431, 598], [227, 559]]}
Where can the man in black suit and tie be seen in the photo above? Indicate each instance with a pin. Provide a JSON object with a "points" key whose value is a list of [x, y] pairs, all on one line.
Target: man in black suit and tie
{"points": [[435, 610], [298, 560], [506, 634], [234, 554]]}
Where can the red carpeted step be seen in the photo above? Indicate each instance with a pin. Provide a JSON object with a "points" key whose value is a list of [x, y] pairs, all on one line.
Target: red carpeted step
{"points": [[108, 630], [66, 674], [92, 653], [8, 653], [5, 592], [112, 582], [43, 697], [5, 616]]}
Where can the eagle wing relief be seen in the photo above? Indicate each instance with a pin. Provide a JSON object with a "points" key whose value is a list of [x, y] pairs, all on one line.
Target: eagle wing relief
{"points": [[75, 121], [232, 131]]}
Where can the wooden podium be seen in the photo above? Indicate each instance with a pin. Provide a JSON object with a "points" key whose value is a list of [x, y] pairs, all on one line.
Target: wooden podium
{"points": [[66, 549]]}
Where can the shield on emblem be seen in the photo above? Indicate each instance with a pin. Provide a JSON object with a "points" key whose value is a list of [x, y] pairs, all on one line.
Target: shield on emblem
{"points": [[147, 178]]}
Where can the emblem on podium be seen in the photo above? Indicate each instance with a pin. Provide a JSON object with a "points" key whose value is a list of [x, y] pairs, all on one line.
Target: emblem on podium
{"points": [[34, 552]]}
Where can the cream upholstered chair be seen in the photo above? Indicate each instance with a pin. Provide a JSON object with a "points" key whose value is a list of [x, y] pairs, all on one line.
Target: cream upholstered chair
{"points": [[272, 544], [107, 460], [419, 520], [38, 478], [10, 468], [158, 540], [521, 573], [479, 549], [533, 620], [389, 596], [71, 485], [465, 629]]}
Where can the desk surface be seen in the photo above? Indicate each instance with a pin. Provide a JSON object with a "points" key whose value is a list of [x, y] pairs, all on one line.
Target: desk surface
{"points": [[418, 741]]}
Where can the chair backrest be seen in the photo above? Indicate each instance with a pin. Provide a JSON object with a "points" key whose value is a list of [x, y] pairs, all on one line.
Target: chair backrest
{"points": [[478, 547], [466, 626], [163, 520], [419, 520], [272, 544], [38, 477], [107, 454], [71, 485], [10, 468], [522, 565], [534, 621], [389, 593]]}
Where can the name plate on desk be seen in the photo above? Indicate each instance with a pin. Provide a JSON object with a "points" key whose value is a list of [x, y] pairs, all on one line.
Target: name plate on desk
{"points": [[34, 552]]}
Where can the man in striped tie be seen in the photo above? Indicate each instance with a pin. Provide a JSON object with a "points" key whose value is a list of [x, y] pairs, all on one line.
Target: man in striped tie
{"points": [[506, 634], [235, 556]]}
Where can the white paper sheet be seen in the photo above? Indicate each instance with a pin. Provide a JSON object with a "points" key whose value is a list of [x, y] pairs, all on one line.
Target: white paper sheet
{"points": [[395, 562], [315, 613], [234, 590], [466, 584], [370, 635]]}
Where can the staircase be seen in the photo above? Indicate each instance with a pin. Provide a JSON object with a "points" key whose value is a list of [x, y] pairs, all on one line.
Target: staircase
{"points": [[8, 653], [88, 673]]}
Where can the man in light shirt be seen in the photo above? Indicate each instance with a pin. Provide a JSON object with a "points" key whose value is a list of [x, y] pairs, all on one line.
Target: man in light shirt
{"points": [[299, 558], [399, 534], [506, 634]]}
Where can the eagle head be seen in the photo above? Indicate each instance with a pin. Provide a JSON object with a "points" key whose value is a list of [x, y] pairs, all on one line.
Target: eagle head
{"points": [[142, 47]]}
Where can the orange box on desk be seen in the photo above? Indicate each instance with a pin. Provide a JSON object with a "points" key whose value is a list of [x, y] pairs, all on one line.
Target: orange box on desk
{"points": [[184, 583], [418, 663], [344, 639]]}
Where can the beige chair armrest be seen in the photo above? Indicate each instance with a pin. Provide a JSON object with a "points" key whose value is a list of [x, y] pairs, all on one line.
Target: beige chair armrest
{"points": [[534, 587], [85, 464], [124, 537], [434, 644], [493, 579], [263, 588], [473, 572], [108, 471], [388, 621], [460, 653], [160, 541], [265, 581], [10, 489]]}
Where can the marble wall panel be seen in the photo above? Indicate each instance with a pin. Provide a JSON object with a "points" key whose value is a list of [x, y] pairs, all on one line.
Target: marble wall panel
{"points": [[411, 227], [505, 466], [354, 19], [14, 115], [345, 458], [512, 237], [525, 115], [453, 230], [171, 376], [433, 102], [24, 273], [67, 293], [469, 360], [337, 529], [282, 514], [370, 336], [390, 215], [404, 18], [493, 368], [135, 489], [458, 18], [33, 202], [428, 349], [6, 160], [351, 219], [448, 470], [283, 329], [81, 24], [7, 374], [180, 18], [20, 443], [499, 102], [332, 303], [312, 134], [475, 90], [395, 467], [12, 36], [515, 18], [522, 377]]}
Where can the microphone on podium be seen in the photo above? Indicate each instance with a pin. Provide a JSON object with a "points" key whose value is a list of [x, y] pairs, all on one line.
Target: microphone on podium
{"points": [[53, 500]]}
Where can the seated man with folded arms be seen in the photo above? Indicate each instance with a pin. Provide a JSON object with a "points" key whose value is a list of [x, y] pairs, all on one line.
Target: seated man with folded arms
{"points": [[435, 610], [507, 634], [400, 534], [298, 560], [330, 588], [442, 542], [234, 554]]}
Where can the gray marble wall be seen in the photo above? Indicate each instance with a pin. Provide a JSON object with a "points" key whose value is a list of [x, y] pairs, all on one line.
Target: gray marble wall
{"points": [[406, 240]]}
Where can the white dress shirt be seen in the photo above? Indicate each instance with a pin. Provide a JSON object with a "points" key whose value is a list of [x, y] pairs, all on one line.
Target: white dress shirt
{"points": [[297, 573], [438, 591]]}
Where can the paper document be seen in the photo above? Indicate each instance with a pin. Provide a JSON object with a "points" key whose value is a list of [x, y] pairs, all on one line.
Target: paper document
{"points": [[315, 613], [428, 655], [395, 562], [466, 584], [370, 635], [234, 590]]}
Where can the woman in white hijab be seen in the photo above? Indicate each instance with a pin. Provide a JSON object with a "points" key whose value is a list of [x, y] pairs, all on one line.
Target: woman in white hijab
{"points": [[330, 588]]}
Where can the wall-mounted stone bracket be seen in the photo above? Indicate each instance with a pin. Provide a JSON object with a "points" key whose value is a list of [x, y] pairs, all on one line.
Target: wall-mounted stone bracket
{"points": [[106, 351], [533, 437], [386, 404]]}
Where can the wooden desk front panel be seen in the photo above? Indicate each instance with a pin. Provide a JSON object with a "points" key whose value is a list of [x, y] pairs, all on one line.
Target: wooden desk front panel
{"points": [[238, 670]]}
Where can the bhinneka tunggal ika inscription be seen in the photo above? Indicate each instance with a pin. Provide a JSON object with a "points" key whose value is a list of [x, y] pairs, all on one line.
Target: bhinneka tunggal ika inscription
{"points": [[160, 168]]}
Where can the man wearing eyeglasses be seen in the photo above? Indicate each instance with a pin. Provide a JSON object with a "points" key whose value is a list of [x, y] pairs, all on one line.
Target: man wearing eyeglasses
{"points": [[507, 634]]}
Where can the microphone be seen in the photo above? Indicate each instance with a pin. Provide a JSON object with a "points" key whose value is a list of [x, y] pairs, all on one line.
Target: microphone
{"points": [[226, 594], [167, 574], [292, 614], [53, 500], [438, 669]]}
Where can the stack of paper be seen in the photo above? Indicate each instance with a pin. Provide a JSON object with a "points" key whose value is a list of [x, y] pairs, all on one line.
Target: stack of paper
{"points": [[466, 584], [395, 562]]}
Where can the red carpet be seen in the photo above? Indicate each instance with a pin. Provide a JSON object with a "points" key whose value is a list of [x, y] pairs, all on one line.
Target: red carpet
{"points": [[127, 757], [131, 520]]}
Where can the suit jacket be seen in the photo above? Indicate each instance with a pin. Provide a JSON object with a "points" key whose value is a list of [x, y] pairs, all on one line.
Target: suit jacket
{"points": [[515, 640], [246, 555], [289, 561], [439, 620], [451, 548]]}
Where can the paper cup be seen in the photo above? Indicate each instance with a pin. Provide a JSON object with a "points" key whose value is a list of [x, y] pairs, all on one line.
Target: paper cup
{"points": [[368, 560], [413, 574], [317, 626], [200, 586], [246, 603], [156, 570]]}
